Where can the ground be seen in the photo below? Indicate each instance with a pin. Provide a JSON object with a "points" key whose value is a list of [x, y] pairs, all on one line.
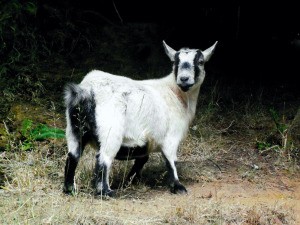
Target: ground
{"points": [[228, 198]]}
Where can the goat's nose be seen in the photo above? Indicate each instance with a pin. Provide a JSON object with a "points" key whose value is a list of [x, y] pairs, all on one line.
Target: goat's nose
{"points": [[184, 79]]}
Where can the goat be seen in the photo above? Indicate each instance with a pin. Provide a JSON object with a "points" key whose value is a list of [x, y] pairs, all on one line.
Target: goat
{"points": [[128, 119]]}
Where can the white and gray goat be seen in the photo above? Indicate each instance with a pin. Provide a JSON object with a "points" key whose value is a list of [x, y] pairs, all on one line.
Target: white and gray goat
{"points": [[127, 119]]}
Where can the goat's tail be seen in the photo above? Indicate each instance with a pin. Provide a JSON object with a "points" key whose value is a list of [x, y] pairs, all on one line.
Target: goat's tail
{"points": [[73, 94]]}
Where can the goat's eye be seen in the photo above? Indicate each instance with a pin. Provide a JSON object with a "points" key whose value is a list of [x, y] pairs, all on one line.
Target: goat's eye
{"points": [[201, 62]]}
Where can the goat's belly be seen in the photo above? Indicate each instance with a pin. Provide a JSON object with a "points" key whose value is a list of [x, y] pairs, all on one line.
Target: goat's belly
{"points": [[128, 153]]}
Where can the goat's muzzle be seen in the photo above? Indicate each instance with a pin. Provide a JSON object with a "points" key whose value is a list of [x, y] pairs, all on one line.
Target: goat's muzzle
{"points": [[185, 86]]}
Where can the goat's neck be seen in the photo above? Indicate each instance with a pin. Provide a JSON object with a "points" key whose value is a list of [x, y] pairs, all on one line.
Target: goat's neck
{"points": [[191, 99], [188, 99]]}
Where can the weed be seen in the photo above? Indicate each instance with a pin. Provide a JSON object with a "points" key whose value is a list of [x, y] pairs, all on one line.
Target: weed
{"points": [[281, 127], [30, 133], [278, 140]]}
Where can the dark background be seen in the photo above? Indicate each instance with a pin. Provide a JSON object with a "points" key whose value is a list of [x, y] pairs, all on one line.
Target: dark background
{"points": [[257, 43], [51, 40]]}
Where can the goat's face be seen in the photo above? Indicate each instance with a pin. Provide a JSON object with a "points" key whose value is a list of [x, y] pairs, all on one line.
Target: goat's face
{"points": [[189, 65]]}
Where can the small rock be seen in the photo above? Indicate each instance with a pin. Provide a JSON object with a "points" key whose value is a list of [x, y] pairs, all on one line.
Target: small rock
{"points": [[194, 128], [255, 167]]}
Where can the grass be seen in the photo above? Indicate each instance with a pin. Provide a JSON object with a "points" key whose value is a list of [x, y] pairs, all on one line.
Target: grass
{"points": [[33, 196]]}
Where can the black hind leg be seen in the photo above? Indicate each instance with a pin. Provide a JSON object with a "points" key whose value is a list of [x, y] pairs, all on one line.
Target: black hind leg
{"points": [[101, 178], [73, 159], [70, 167], [135, 172]]}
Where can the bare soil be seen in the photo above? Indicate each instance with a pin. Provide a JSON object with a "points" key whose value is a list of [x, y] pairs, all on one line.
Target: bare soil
{"points": [[274, 191]]}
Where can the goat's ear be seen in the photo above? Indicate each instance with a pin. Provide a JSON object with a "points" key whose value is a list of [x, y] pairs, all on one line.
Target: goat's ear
{"points": [[208, 52], [169, 51]]}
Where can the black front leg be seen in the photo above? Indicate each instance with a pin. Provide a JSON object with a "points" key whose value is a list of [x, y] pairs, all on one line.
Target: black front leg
{"points": [[175, 186]]}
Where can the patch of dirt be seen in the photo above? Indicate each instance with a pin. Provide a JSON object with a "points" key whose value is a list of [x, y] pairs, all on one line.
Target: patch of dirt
{"points": [[231, 190]]}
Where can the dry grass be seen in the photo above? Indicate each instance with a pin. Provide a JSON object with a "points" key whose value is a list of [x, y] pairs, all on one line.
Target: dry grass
{"points": [[33, 196]]}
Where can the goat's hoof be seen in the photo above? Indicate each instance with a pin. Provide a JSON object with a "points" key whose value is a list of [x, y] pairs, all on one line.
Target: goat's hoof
{"points": [[69, 189], [178, 189], [106, 193], [135, 179]]}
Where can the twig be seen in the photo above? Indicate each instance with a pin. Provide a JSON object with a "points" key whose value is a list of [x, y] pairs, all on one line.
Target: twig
{"points": [[225, 129], [101, 16], [215, 164], [6, 128], [117, 12], [268, 149], [22, 205]]}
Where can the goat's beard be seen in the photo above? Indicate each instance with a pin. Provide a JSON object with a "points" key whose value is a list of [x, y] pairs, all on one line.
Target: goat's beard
{"points": [[185, 87]]}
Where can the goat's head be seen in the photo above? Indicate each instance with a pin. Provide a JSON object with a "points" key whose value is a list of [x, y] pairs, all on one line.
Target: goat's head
{"points": [[189, 65]]}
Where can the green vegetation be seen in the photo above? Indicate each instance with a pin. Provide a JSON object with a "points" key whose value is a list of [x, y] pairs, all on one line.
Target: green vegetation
{"points": [[40, 132], [37, 132], [280, 139], [281, 127], [30, 133]]}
